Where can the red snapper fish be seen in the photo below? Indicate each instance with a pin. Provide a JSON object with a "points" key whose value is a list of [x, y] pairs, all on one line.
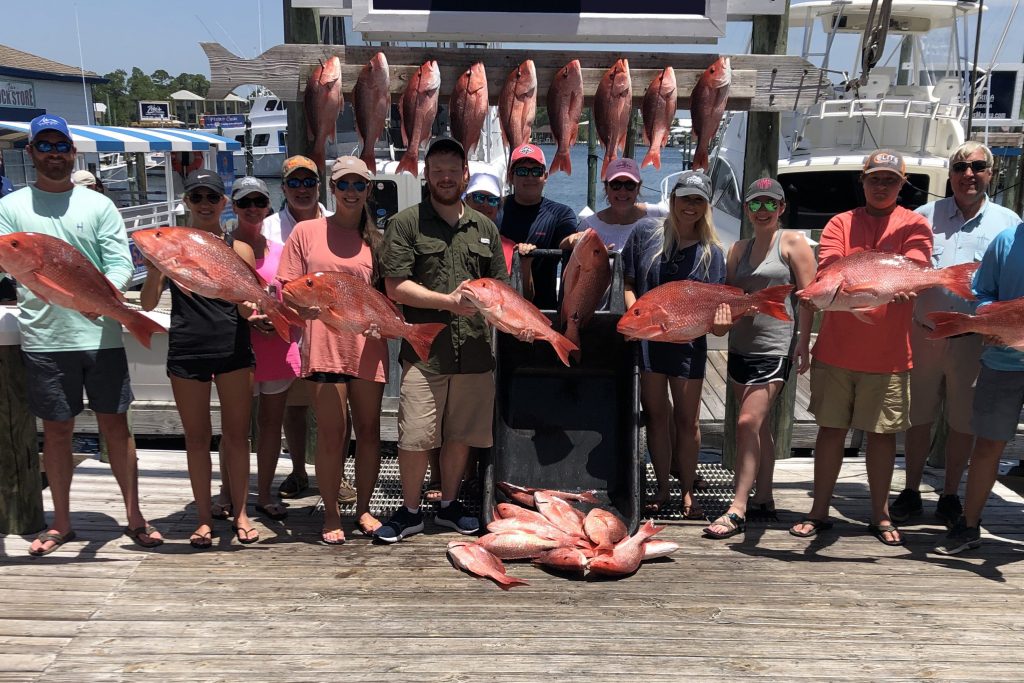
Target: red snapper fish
{"points": [[541, 529], [323, 102], [564, 559], [707, 105], [58, 273], [201, 262], [372, 104], [524, 494], [868, 279], [418, 108], [1003, 321], [565, 106], [476, 560], [654, 549], [507, 310], [659, 112], [517, 104], [587, 277], [604, 528], [516, 545], [560, 513], [627, 555], [684, 310], [468, 106], [613, 104], [348, 304]]}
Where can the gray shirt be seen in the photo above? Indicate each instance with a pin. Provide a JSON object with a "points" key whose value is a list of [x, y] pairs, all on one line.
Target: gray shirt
{"points": [[763, 335]]}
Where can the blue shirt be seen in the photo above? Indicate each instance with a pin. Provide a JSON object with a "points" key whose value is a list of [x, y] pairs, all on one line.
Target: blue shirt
{"points": [[1001, 278], [545, 224], [646, 266]]}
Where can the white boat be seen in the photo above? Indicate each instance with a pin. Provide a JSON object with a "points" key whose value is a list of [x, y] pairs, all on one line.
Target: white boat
{"points": [[114, 168], [269, 119]]}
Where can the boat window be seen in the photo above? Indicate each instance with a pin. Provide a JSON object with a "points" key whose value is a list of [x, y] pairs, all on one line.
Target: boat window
{"points": [[813, 198], [725, 193], [271, 105], [260, 139]]}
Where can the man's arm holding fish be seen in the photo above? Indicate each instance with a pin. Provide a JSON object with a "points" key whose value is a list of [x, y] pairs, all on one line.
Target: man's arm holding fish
{"points": [[800, 256]]}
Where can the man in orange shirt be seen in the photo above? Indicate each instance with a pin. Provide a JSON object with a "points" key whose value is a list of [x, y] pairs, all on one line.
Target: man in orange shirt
{"points": [[860, 377]]}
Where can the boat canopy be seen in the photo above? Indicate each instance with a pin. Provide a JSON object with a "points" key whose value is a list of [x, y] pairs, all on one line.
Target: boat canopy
{"points": [[104, 139]]}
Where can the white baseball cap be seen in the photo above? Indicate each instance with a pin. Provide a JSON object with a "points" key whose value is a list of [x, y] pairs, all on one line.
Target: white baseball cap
{"points": [[484, 182]]}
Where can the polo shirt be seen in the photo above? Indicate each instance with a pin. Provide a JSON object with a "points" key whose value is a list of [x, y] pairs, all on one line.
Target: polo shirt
{"points": [[1000, 277]]}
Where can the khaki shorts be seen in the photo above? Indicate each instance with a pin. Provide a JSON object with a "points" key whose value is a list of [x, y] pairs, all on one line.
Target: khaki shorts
{"points": [[300, 394], [436, 408], [944, 370], [877, 402]]}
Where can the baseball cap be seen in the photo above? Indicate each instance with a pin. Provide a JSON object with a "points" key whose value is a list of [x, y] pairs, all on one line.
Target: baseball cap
{"points": [[528, 152], [693, 183], [623, 168], [343, 166], [445, 144], [885, 160], [293, 164], [50, 122], [204, 177], [484, 182], [83, 178], [765, 187], [248, 185]]}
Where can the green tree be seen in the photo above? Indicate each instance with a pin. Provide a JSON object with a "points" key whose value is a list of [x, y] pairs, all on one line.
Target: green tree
{"points": [[123, 92]]}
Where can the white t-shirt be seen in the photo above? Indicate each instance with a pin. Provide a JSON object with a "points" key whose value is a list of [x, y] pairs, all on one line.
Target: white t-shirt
{"points": [[277, 227], [612, 234]]}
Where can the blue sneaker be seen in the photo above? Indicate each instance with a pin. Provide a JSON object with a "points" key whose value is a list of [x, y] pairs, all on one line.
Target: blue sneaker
{"points": [[403, 523], [454, 517]]}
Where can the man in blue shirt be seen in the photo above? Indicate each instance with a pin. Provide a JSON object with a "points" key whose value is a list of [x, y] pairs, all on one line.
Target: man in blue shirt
{"points": [[945, 369]]}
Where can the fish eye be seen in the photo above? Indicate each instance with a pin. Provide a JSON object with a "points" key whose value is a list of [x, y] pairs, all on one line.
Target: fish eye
{"points": [[309, 282], [636, 311], [14, 243]]}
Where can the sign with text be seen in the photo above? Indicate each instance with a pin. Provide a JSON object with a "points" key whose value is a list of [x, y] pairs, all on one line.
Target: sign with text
{"points": [[215, 121], [999, 101], [17, 93], [154, 111]]}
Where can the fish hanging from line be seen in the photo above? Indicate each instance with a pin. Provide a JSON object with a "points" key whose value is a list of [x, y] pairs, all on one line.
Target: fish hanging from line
{"points": [[323, 103], [371, 102], [707, 105], [418, 108]]}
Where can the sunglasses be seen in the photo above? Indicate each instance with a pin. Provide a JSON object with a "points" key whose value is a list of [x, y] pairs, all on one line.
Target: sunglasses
{"points": [[768, 205], [258, 202], [978, 165], [359, 185], [305, 182], [210, 197], [525, 171], [617, 185], [484, 198], [45, 147]]}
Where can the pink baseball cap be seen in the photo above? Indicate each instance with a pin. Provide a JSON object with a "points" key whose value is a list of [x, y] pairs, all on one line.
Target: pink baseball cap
{"points": [[528, 151], [623, 168]]}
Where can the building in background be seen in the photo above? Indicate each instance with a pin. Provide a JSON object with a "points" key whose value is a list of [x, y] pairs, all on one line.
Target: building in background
{"points": [[31, 85]]}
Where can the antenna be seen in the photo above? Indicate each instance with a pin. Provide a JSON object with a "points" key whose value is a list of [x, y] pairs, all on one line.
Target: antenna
{"points": [[81, 66]]}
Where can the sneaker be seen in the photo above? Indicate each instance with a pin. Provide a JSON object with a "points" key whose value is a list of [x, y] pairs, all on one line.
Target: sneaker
{"points": [[346, 493], [454, 517], [960, 538], [906, 505], [293, 485], [403, 523], [949, 509]]}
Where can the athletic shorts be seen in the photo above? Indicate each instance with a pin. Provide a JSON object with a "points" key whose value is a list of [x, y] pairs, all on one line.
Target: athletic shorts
{"points": [[329, 378], [55, 382], [877, 402], [753, 370], [944, 372], [436, 408], [205, 369], [683, 361], [998, 399], [270, 387]]}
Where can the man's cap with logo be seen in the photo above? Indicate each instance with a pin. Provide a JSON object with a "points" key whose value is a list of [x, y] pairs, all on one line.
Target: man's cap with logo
{"points": [[83, 178], [528, 151], [204, 177], [346, 165], [765, 187], [484, 182], [49, 122], [693, 183], [885, 160], [248, 185], [293, 164], [623, 168], [445, 144]]}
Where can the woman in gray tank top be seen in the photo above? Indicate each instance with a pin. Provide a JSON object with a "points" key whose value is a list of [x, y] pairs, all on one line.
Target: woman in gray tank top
{"points": [[761, 348]]}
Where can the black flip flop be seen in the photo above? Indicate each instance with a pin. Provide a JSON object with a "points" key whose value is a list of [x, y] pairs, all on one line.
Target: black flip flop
{"points": [[266, 510], [146, 530], [880, 530], [815, 524], [57, 538]]}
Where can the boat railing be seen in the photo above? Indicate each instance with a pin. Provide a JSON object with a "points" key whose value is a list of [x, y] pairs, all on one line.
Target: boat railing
{"points": [[895, 107], [152, 215]]}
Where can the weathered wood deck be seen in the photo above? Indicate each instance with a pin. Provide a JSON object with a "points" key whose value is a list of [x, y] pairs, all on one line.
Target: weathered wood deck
{"points": [[767, 607]]}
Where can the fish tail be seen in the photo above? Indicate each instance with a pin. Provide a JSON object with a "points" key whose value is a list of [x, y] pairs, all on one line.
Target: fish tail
{"points": [[772, 301], [949, 324], [589, 497], [652, 158], [957, 279], [410, 161], [142, 327], [563, 347], [421, 337], [700, 159], [561, 162], [506, 582], [367, 156], [610, 155], [648, 529]]}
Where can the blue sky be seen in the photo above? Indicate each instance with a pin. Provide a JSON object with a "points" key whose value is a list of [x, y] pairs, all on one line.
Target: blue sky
{"points": [[166, 34]]}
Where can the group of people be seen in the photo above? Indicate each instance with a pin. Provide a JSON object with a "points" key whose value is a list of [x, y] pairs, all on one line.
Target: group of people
{"points": [[863, 373]]}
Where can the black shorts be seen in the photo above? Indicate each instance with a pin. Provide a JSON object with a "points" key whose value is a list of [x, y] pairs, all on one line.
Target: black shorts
{"points": [[56, 380], [329, 377], [750, 370], [205, 369], [682, 361]]}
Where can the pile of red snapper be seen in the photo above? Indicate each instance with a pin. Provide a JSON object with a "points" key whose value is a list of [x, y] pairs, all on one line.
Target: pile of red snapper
{"points": [[544, 526]]}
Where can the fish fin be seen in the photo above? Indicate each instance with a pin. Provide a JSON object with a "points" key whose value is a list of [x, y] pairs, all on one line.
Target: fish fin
{"points": [[859, 314], [282, 317], [506, 582], [47, 282], [589, 497], [860, 288], [421, 337], [410, 162], [949, 324], [561, 162], [142, 327], [652, 158], [771, 301], [562, 346], [118, 294], [957, 279]]}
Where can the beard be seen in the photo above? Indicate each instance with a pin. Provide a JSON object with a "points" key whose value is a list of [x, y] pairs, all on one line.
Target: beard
{"points": [[446, 196], [55, 170]]}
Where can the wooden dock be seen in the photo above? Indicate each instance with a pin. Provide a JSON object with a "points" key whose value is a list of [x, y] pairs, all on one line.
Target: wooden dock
{"points": [[766, 607]]}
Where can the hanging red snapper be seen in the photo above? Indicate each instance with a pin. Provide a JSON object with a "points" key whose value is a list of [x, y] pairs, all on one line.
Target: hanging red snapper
{"points": [[372, 105], [613, 104], [517, 104], [659, 112], [323, 102], [468, 106], [418, 108], [707, 105], [565, 106]]}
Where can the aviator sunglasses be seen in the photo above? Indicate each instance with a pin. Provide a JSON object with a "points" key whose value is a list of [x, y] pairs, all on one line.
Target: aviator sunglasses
{"points": [[343, 185], [755, 205], [198, 197], [617, 185], [524, 171], [978, 165], [259, 202], [45, 147], [484, 198], [304, 182]]}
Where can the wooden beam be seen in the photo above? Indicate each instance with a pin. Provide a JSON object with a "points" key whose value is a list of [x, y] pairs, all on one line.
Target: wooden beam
{"points": [[21, 497]]}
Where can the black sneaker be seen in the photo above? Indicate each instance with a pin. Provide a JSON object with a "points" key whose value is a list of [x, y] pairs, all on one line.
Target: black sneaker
{"points": [[403, 523], [960, 538], [906, 505], [454, 517], [949, 509]]}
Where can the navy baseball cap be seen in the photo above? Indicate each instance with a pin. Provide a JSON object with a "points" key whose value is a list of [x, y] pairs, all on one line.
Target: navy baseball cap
{"points": [[50, 122]]}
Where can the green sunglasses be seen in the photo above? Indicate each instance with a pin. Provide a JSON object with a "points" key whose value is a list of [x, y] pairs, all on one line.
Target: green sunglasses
{"points": [[769, 205]]}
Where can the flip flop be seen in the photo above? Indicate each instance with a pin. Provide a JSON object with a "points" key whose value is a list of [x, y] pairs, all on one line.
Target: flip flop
{"points": [[731, 521], [137, 535], [220, 511], [879, 531], [58, 539], [201, 541], [245, 536], [275, 511], [815, 524], [327, 541]]}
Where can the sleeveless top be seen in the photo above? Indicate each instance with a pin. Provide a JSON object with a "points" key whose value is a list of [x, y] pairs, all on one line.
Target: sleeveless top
{"points": [[276, 359], [763, 335], [204, 328]]}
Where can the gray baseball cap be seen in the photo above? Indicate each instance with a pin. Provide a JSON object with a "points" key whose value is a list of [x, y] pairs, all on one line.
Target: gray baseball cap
{"points": [[765, 187], [693, 183], [248, 185]]}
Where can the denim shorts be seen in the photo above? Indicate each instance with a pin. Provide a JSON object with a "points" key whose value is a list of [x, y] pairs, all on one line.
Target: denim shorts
{"points": [[56, 380]]}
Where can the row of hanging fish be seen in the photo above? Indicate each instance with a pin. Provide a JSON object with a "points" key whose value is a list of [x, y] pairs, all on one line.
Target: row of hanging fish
{"points": [[517, 108]]}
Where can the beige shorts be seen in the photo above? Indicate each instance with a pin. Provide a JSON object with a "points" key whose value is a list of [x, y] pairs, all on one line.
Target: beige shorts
{"points": [[944, 370], [436, 408], [877, 402], [300, 394]]}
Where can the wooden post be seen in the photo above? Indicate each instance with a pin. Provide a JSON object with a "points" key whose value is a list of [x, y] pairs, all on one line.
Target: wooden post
{"points": [[141, 180], [21, 496], [761, 159], [300, 26], [592, 163]]}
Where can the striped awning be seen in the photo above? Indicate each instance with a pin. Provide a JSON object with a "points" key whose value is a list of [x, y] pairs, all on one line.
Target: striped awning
{"points": [[103, 139]]}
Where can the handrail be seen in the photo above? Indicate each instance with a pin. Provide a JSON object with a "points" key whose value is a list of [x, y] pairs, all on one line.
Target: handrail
{"points": [[890, 106]]}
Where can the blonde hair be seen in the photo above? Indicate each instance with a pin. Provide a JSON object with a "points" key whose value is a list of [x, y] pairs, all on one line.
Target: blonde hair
{"points": [[707, 237]]}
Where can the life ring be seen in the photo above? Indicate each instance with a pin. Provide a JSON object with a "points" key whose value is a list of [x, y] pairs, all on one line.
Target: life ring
{"points": [[195, 162]]}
